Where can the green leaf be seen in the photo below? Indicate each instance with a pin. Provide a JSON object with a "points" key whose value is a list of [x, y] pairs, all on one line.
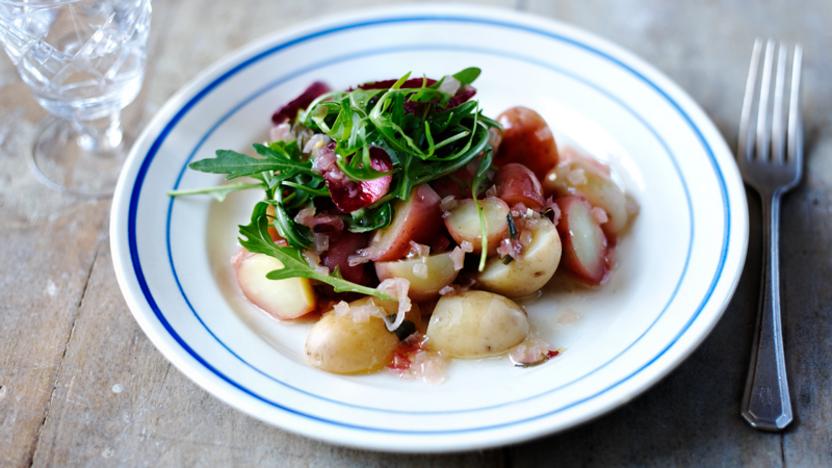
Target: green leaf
{"points": [[370, 219], [234, 164], [467, 76], [479, 178], [219, 192], [255, 238], [296, 235]]}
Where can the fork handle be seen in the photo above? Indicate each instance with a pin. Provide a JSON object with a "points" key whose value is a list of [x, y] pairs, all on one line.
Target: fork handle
{"points": [[766, 404]]}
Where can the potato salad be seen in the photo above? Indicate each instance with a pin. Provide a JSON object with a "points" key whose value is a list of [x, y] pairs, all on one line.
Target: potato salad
{"points": [[409, 226]]}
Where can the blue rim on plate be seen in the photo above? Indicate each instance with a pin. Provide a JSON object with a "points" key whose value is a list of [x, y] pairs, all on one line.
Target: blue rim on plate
{"points": [[410, 18]]}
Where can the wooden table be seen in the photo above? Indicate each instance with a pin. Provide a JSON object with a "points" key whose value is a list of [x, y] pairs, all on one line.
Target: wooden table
{"points": [[81, 385]]}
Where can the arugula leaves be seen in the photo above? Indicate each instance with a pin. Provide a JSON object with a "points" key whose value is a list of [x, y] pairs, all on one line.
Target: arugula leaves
{"points": [[427, 131], [255, 238], [219, 192]]}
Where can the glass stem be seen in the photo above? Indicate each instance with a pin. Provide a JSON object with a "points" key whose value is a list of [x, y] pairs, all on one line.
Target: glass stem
{"points": [[100, 135]]}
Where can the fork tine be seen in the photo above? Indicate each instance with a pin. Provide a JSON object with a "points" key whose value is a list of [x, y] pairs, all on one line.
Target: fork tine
{"points": [[746, 133], [795, 131], [763, 129], [778, 129]]}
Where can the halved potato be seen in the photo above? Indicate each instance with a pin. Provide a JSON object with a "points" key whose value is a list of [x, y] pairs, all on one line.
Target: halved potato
{"points": [[418, 219], [586, 250], [283, 299], [427, 275], [476, 324], [463, 222], [581, 175], [342, 345], [532, 270]]}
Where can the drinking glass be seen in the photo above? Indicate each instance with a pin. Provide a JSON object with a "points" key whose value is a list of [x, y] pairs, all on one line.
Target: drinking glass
{"points": [[84, 62]]}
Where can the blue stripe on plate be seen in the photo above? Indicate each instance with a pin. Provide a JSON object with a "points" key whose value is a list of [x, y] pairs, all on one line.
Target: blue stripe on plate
{"points": [[142, 172]]}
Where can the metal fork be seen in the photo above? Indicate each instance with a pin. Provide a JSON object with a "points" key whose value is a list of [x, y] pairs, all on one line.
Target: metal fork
{"points": [[770, 157]]}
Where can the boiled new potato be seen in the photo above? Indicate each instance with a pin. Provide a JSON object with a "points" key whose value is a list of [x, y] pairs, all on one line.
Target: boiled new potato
{"points": [[475, 324], [532, 270], [526, 139], [427, 275], [285, 299], [580, 175], [342, 345], [418, 219], [463, 222]]}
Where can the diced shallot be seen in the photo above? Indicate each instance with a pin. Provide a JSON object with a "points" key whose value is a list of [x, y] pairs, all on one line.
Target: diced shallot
{"points": [[552, 206], [359, 313], [447, 204], [450, 85], [600, 215], [531, 352], [361, 257], [458, 254], [323, 222], [509, 248], [413, 361], [448, 289], [397, 288], [314, 260], [281, 132], [321, 242], [418, 250], [428, 366]]}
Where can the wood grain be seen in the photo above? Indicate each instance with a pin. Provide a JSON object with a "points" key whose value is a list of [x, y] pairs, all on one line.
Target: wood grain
{"points": [[81, 385]]}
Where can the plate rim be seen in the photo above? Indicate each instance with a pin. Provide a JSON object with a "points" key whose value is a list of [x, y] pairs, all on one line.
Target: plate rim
{"points": [[661, 83]]}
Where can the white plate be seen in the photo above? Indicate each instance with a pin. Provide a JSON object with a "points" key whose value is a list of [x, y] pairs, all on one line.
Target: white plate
{"points": [[677, 267]]}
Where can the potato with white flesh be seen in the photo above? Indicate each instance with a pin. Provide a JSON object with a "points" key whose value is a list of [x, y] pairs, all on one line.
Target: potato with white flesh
{"points": [[585, 247], [463, 222], [427, 275], [284, 299], [343, 344], [418, 219], [532, 270], [577, 174], [476, 324]]}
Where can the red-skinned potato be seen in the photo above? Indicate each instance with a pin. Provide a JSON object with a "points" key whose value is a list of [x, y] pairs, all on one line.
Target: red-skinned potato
{"points": [[463, 222], [283, 299], [418, 219], [581, 175], [516, 183], [585, 246], [458, 183], [526, 139]]}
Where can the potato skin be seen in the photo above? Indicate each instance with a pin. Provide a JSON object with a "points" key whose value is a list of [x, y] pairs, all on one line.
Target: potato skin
{"points": [[529, 273], [476, 324], [595, 185], [340, 345], [418, 219], [526, 139]]}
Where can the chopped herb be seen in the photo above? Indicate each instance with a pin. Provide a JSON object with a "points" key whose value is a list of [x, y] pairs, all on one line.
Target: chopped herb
{"points": [[512, 228]]}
